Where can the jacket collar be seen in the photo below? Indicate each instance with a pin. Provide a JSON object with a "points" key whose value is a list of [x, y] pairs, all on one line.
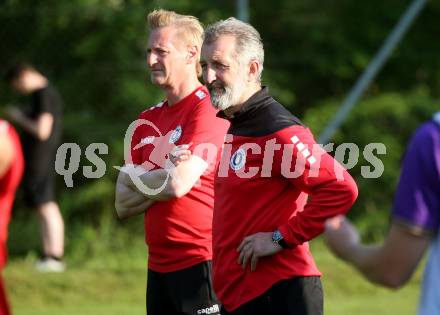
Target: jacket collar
{"points": [[254, 103]]}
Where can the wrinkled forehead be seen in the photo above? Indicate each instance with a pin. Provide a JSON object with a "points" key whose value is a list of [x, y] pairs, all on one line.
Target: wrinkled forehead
{"points": [[222, 47]]}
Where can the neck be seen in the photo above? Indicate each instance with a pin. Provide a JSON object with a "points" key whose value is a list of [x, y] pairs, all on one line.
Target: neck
{"points": [[230, 111], [178, 92]]}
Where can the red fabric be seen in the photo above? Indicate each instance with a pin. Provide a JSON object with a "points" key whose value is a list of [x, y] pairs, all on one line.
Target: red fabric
{"points": [[4, 305], [8, 185], [271, 200], [178, 232]]}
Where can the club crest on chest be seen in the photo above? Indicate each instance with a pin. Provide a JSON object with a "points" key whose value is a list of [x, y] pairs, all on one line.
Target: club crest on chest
{"points": [[238, 159], [176, 134]]}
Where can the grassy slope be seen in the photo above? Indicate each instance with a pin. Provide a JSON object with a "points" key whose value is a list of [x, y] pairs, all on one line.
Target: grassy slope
{"points": [[115, 284]]}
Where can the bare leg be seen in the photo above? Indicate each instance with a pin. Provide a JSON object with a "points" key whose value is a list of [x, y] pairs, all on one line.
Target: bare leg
{"points": [[52, 229]]}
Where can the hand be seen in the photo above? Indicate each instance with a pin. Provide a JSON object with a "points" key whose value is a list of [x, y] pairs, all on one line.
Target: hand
{"points": [[127, 197], [126, 194], [255, 246], [129, 202], [128, 173], [179, 154], [341, 236]]}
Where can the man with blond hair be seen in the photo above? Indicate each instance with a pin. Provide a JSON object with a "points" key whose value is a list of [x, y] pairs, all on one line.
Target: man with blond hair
{"points": [[177, 200]]}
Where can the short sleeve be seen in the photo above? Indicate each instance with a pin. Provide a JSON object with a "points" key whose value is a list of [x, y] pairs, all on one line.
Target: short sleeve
{"points": [[46, 102], [417, 200]]}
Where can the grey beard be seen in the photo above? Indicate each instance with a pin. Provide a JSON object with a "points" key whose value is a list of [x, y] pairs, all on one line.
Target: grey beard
{"points": [[225, 97], [222, 99]]}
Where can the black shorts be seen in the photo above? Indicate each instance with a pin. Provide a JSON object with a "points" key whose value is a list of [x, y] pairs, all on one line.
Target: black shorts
{"points": [[39, 182], [296, 296], [183, 292]]}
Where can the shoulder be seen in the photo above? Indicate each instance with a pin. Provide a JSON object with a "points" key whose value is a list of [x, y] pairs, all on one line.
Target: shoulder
{"points": [[200, 109], [295, 134], [426, 138], [205, 108], [202, 94], [427, 130], [266, 118], [151, 110], [273, 117], [49, 97], [278, 117], [48, 91], [421, 163], [201, 102]]}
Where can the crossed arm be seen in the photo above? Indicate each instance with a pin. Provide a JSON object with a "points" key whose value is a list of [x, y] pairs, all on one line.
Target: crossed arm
{"points": [[135, 198]]}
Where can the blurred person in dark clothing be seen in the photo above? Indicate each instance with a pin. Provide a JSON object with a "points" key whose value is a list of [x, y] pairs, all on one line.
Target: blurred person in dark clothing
{"points": [[41, 124]]}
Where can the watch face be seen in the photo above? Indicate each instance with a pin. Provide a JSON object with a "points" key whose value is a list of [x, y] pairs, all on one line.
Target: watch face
{"points": [[276, 236]]}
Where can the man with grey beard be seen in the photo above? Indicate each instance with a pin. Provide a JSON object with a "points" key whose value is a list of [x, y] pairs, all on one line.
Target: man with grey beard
{"points": [[261, 259]]}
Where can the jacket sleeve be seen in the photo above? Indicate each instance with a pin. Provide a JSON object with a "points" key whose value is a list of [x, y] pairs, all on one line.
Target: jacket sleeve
{"points": [[330, 188]]}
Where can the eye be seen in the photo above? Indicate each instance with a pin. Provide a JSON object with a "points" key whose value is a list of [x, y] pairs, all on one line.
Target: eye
{"points": [[221, 66]]}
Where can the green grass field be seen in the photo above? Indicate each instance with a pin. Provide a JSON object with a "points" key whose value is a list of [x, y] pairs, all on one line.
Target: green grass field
{"points": [[114, 284]]}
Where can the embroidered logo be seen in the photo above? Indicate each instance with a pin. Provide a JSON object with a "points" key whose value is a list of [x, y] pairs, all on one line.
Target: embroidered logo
{"points": [[175, 136], [200, 94], [238, 159]]}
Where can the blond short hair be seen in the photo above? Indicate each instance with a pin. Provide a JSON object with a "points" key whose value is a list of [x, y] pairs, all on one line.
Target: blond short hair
{"points": [[189, 28]]}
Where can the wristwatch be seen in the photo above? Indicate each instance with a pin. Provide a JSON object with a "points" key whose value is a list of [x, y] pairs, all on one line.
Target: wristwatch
{"points": [[278, 238]]}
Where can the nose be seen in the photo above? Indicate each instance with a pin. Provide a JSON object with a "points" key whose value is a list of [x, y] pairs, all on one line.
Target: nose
{"points": [[209, 75], [151, 59]]}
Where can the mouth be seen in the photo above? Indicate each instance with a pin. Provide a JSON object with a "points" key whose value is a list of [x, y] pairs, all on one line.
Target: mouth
{"points": [[156, 71], [216, 88]]}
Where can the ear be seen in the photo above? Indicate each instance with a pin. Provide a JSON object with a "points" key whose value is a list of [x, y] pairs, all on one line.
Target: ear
{"points": [[253, 71], [192, 54]]}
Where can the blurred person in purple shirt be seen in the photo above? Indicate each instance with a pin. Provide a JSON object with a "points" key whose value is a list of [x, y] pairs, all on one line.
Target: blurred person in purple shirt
{"points": [[415, 225]]}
